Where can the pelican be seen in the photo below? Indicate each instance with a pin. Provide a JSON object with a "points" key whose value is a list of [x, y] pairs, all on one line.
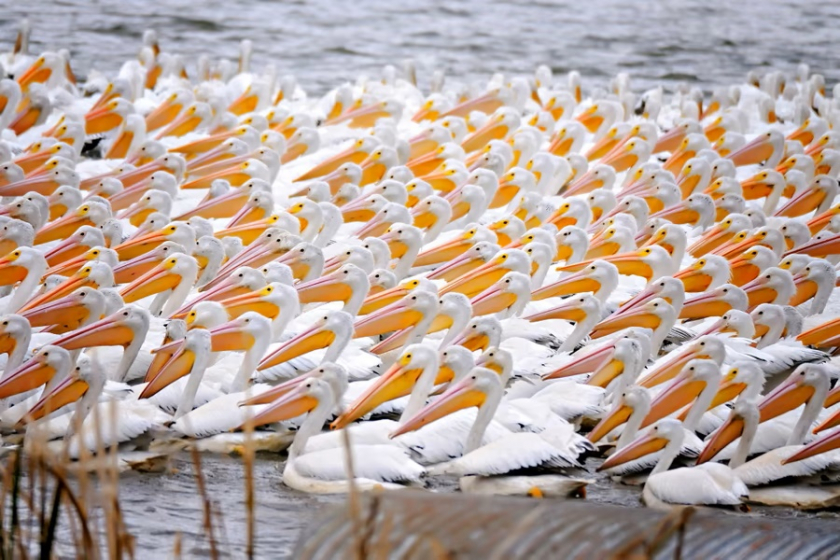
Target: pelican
{"points": [[657, 314], [126, 327], [323, 471], [707, 484], [485, 469], [22, 268], [102, 422]]}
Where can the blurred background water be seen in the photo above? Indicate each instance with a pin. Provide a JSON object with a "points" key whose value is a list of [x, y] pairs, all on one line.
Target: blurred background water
{"points": [[323, 43]]}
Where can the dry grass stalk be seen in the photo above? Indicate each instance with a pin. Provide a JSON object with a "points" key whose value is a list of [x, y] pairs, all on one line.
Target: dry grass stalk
{"points": [[207, 506], [248, 465]]}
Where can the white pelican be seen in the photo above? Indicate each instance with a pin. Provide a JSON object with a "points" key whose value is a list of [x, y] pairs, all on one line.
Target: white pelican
{"points": [[707, 484], [481, 467], [324, 471]]}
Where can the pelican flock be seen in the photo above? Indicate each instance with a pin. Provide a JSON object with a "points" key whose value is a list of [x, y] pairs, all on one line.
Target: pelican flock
{"points": [[513, 283]]}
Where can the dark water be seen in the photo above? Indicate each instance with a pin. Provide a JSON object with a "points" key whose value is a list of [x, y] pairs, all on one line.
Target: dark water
{"points": [[156, 506], [708, 42], [323, 43]]}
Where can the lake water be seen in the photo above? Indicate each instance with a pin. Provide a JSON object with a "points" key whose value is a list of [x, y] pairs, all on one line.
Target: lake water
{"points": [[323, 43], [707, 42]]}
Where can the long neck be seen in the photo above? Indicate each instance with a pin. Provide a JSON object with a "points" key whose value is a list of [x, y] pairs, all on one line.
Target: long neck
{"points": [[311, 426], [809, 414], [287, 313], [824, 291], [658, 338], [26, 288], [700, 406], [336, 348], [578, 253], [579, 333], [156, 308], [328, 231], [433, 232], [482, 419], [631, 428], [476, 211], [632, 369], [193, 382], [773, 199], [773, 334], [178, 296], [607, 287], [210, 271], [249, 364], [89, 400], [416, 333], [16, 356], [743, 449], [458, 325], [129, 355], [538, 278], [313, 227], [420, 392], [354, 304], [668, 455], [8, 113], [677, 255], [404, 263]]}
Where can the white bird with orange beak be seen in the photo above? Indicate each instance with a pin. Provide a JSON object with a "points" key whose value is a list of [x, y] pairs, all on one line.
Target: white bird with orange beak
{"points": [[485, 469], [323, 471], [22, 269], [656, 314], [327, 339], [708, 484], [99, 420], [773, 432], [128, 328], [249, 333]]}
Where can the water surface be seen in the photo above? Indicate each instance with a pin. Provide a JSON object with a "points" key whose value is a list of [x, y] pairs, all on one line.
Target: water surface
{"points": [[708, 42]]}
